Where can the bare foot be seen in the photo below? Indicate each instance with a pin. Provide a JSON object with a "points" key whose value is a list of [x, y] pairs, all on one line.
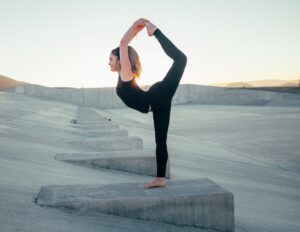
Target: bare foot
{"points": [[150, 28], [157, 182]]}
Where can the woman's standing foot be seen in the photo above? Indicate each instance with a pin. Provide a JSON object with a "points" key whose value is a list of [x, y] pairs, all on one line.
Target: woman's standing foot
{"points": [[157, 182]]}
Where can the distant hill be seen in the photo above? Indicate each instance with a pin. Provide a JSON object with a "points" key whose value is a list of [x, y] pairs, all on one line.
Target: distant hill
{"points": [[271, 83], [260, 83], [6, 83], [238, 85], [290, 84]]}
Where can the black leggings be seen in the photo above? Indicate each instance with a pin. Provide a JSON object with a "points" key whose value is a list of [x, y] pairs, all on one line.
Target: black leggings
{"points": [[160, 96]]}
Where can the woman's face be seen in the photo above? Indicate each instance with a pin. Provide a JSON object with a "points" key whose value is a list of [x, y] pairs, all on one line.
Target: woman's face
{"points": [[114, 63]]}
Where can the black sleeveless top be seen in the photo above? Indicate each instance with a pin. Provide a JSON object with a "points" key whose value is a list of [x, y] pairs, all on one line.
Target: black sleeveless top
{"points": [[132, 95]]}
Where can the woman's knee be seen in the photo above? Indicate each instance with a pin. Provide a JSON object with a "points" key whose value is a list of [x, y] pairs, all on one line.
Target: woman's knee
{"points": [[182, 60], [180, 65]]}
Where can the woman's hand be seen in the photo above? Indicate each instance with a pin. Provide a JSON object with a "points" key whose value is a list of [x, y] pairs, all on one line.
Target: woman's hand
{"points": [[136, 27], [140, 24]]}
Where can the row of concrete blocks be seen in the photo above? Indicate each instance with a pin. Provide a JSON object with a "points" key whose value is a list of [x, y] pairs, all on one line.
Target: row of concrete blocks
{"points": [[119, 151], [198, 203]]}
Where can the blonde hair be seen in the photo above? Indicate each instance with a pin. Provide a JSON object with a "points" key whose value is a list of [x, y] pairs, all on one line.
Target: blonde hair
{"points": [[134, 59]]}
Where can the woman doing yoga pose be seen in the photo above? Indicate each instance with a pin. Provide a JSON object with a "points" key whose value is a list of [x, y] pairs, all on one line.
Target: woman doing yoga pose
{"points": [[125, 60]]}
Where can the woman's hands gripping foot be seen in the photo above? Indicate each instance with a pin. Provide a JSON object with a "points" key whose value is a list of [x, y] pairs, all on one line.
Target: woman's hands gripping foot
{"points": [[150, 28]]}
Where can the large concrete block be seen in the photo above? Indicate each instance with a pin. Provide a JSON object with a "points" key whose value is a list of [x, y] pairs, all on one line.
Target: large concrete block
{"points": [[135, 161], [198, 203], [103, 126], [101, 133], [112, 144]]}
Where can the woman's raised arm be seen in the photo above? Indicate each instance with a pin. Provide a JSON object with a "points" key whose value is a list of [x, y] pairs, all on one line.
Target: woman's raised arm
{"points": [[126, 72]]}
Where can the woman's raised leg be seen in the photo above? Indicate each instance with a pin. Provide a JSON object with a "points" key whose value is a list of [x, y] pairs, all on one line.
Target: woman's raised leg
{"points": [[171, 81], [168, 86]]}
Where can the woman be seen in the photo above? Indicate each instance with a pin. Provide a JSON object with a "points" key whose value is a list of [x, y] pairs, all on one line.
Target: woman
{"points": [[125, 61]]}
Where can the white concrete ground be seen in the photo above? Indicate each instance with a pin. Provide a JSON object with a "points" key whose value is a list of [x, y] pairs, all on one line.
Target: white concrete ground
{"points": [[254, 152]]}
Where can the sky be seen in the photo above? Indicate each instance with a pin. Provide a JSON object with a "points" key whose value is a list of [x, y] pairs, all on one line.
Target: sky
{"points": [[67, 43]]}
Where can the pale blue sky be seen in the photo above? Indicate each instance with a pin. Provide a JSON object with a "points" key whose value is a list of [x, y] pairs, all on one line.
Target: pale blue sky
{"points": [[67, 42]]}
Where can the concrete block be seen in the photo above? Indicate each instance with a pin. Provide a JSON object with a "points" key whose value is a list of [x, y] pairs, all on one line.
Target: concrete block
{"points": [[89, 118], [86, 110], [93, 122], [102, 133], [88, 114], [103, 126], [198, 203], [136, 161], [90, 97], [113, 144]]}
